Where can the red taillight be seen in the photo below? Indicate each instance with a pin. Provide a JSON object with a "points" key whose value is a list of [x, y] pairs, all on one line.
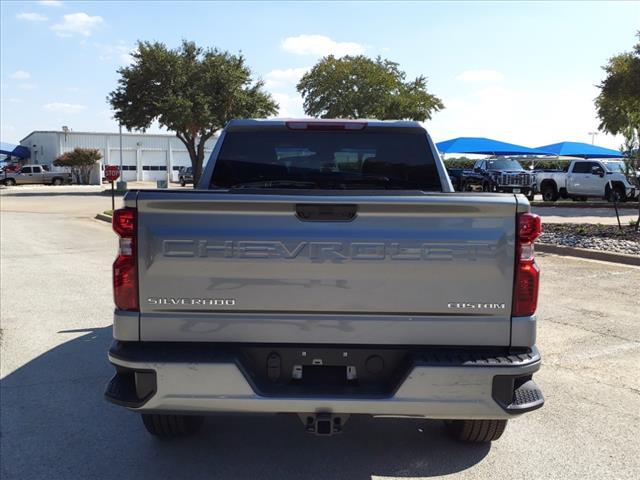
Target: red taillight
{"points": [[322, 125], [527, 274], [125, 268], [124, 222], [529, 227]]}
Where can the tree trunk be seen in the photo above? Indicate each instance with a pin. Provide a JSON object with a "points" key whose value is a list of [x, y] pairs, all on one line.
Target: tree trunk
{"points": [[196, 165], [200, 157]]}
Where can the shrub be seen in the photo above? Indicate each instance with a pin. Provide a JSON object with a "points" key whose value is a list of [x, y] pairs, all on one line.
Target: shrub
{"points": [[80, 161]]}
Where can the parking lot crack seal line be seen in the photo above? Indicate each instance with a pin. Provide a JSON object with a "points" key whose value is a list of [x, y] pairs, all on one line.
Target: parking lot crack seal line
{"points": [[578, 371], [566, 324], [48, 382]]}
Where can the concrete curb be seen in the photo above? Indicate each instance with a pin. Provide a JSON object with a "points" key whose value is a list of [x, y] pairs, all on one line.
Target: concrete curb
{"points": [[621, 206], [588, 253], [103, 217]]}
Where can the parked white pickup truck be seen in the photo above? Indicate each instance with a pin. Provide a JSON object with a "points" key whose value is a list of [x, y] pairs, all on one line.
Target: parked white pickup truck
{"points": [[32, 174], [587, 178]]}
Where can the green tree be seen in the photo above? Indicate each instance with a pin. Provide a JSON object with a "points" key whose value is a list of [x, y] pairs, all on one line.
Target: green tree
{"points": [[618, 104], [359, 87], [80, 161], [189, 90]]}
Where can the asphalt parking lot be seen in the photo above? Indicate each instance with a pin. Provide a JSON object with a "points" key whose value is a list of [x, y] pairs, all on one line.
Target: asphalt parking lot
{"points": [[56, 308]]}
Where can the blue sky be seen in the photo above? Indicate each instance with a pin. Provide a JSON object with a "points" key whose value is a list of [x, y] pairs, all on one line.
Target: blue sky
{"points": [[518, 71]]}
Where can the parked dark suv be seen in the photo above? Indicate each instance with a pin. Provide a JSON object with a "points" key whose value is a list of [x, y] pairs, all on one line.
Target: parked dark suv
{"points": [[186, 176], [496, 175]]}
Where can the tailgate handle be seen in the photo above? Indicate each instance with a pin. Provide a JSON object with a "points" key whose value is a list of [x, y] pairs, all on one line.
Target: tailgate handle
{"points": [[312, 212]]}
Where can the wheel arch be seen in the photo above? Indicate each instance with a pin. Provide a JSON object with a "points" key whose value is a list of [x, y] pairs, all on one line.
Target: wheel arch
{"points": [[549, 182]]}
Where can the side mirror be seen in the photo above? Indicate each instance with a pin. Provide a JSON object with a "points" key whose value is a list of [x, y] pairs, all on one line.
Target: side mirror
{"points": [[477, 169], [597, 171]]}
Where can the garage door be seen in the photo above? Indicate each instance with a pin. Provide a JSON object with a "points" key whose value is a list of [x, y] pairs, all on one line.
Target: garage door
{"points": [[154, 165], [129, 172]]}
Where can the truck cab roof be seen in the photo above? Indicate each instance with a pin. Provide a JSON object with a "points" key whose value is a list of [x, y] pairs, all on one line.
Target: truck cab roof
{"points": [[329, 123]]}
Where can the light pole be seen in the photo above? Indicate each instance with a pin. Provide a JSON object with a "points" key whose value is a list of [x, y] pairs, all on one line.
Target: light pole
{"points": [[593, 136], [122, 184]]}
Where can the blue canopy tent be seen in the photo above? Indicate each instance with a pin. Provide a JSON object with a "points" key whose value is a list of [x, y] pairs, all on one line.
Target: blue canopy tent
{"points": [[485, 146], [580, 150], [14, 150]]}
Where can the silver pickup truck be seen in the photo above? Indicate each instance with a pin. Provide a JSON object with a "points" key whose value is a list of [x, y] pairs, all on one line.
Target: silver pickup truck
{"points": [[35, 174], [324, 269]]}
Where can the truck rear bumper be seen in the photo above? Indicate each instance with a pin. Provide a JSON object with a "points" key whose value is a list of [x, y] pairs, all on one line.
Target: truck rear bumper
{"points": [[437, 383]]}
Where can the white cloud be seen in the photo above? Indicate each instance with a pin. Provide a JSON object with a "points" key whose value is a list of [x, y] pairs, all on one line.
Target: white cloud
{"points": [[50, 3], [27, 86], [320, 45], [522, 116], [12, 100], [20, 75], [31, 17], [285, 77], [290, 105], [106, 114], [77, 23], [119, 52], [67, 108], [472, 76], [9, 133]]}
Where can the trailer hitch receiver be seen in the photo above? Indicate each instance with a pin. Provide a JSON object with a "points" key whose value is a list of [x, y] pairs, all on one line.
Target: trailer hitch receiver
{"points": [[323, 423]]}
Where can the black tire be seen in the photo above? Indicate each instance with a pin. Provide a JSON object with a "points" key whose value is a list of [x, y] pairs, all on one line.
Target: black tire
{"points": [[476, 431], [9, 182], [183, 183], [486, 187], [171, 426], [57, 181], [549, 193], [531, 195], [616, 194]]}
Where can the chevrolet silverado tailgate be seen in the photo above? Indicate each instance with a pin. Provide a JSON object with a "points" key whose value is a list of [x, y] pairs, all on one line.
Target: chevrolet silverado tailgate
{"points": [[378, 269]]}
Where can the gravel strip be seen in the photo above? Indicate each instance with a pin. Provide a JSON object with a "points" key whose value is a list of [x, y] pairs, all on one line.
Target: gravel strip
{"points": [[604, 244]]}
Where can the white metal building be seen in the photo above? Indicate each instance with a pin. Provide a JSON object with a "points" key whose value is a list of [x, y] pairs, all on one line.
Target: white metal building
{"points": [[144, 156]]}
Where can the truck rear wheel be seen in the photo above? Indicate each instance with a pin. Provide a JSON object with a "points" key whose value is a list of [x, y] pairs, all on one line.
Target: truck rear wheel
{"points": [[549, 193], [171, 426], [9, 182], [617, 194], [476, 431], [57, 181]]}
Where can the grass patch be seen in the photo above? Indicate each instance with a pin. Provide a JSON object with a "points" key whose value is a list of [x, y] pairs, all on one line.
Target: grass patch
{"points": [[108, 212]]}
